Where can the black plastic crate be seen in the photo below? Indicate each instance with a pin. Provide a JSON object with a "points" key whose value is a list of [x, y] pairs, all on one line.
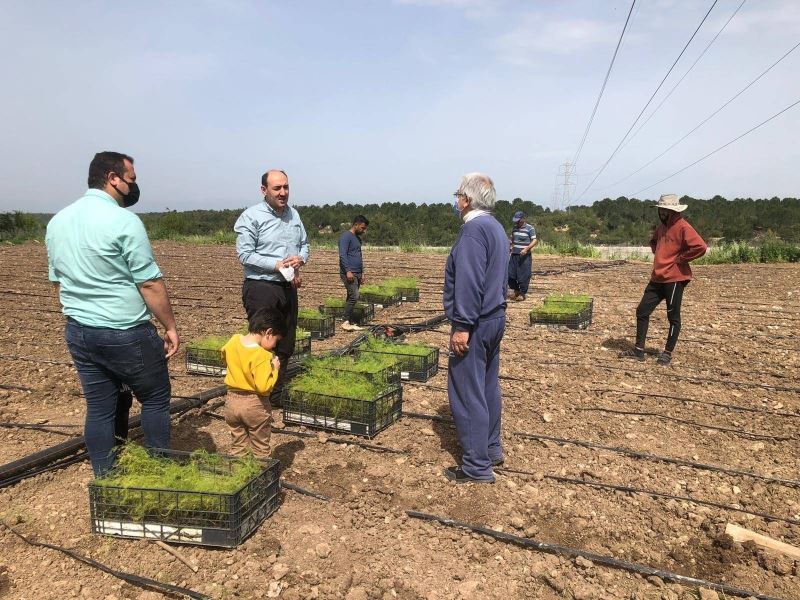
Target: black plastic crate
{"points": [[362, 312], [319, 327], [578, 320], [413, 367], [204, 361], [302, 348], [344, 415], [183, 517], [409, 294], [380, 299]]}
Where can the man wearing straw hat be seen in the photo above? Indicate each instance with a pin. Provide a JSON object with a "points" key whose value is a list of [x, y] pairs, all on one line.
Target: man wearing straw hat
{"points": [[675, 244]]}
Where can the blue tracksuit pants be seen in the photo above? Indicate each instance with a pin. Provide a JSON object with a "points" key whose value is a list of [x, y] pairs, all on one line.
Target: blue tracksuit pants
{"points": [[519, 272], [474, 392]]}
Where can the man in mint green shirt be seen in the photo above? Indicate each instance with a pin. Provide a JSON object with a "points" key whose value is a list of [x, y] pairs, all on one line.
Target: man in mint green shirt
{"points": [[100, 259]]}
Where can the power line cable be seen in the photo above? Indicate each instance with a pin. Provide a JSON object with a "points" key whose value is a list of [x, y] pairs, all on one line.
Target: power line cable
{"points": [[636, 120], [764, 122], [707, 119], [689, 70], [603, 87]]}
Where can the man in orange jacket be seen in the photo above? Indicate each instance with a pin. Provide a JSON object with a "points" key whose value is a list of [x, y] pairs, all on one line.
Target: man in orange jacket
{"points": [[675, 243]]}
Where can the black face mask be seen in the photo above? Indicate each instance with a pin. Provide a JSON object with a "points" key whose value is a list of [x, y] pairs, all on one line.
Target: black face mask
{"points": [[132, 197]]}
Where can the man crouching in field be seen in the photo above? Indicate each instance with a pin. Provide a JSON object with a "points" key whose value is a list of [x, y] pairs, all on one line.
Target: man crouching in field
{"points": [[475, 303], [674, 243]]}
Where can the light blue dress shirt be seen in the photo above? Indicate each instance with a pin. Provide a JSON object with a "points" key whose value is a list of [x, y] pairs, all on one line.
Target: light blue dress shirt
{"points": [[264, 237], [98, 252]]}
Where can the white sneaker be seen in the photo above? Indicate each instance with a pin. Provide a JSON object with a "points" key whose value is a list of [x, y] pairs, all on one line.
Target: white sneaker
{"points": [[347, 326]]}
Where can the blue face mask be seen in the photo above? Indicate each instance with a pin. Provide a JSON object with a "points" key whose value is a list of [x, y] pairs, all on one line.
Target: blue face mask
{"points": [[456, 210]]}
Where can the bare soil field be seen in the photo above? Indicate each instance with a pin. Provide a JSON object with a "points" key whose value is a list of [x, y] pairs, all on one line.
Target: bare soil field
{"points": [[730, 399]]}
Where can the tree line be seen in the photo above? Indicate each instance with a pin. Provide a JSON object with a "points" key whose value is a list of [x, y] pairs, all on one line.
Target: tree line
{"points": [[627, 221]]}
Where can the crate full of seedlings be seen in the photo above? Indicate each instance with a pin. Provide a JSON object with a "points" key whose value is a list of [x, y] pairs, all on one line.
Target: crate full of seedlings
{"points": [[380, 369], [407, 287], [181, 497], [342, 401], [302, 345], [564, 310], [319, 326], [361, 313], [203, 356], [418, 362], [379, 295]]}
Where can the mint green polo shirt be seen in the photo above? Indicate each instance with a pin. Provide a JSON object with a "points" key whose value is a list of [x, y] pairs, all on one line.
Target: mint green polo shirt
{"points": [[98, 252]]}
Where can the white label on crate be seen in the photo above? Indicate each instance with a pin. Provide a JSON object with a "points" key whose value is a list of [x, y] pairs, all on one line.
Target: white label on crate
{"points": [[149, 531], [404, 375], [321, 421]]}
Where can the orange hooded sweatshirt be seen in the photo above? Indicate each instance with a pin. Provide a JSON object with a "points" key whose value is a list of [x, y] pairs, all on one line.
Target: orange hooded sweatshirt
{"points": [[675, 245]]}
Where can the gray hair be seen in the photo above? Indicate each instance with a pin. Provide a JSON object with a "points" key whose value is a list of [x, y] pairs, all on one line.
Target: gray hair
{"points": [[479, 188]]}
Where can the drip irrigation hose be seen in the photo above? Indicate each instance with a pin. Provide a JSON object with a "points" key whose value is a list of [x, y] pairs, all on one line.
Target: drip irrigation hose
{"points": [[733, 407], [38, 425], [666, 459], [303, 491], [66, 448], [137, 580], [601, 559], [653, 493], [66, 462], [739, 432], [16, 388]]}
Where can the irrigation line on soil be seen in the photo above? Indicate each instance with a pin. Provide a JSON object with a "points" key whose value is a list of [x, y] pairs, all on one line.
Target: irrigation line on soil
{"points": [[303, 491], [739, 432], [16, 388], [656, 458], [653, 493], [137, 580], [601, 559], [35, 359], [733, 407]]}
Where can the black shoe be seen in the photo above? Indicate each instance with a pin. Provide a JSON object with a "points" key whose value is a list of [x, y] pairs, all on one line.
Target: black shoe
{"points": [[457, 474], [498, 462], [664, 358], [635, 354]]}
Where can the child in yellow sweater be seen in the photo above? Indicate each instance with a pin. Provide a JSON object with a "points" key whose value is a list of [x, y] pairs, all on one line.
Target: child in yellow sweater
{"points": [[252, 373]]}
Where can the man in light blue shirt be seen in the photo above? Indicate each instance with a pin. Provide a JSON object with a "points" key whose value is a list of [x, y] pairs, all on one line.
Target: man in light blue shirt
{"points": [[272, 245], [109, 286]]}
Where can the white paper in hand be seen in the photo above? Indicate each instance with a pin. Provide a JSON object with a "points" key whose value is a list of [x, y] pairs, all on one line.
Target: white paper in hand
{"points": [[287, 272]]}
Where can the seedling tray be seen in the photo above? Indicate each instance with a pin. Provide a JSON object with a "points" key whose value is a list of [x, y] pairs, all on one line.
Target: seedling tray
{"points": [[319, 328], [302, 348], [344, 415], [204, 361], [413, 367], [576, 320], [409, 294], [361, 312], [387, 377], [183, 517], [381, 299]]}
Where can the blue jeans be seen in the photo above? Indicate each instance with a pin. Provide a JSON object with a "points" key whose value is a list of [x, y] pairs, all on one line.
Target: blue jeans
{"points": [[107, 358]]}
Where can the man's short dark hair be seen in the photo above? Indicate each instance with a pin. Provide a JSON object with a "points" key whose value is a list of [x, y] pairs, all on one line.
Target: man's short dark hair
{"points": [[104, 163], [265, 176], [361, 219], [264, 319]]}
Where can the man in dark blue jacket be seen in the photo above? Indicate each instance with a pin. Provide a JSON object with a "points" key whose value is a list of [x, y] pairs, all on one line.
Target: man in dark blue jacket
{"points": [[351, 267], [475, 302]]}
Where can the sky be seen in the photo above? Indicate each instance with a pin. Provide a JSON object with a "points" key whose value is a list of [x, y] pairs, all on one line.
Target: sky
{"points": [[369, 101]]}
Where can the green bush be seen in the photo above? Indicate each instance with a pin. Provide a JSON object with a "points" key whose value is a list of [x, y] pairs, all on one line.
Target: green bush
{"points": [[17, 226]]}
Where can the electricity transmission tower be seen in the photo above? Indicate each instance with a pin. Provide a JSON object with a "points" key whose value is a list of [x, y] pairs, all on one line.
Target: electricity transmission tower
{"points": [[565, 185]]}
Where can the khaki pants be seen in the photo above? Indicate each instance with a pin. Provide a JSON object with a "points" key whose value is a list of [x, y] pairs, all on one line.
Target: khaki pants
{"points": [[250, 418]]}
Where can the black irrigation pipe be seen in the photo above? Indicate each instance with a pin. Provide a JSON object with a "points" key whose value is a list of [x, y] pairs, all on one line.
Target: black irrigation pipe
{"points": [[137, 580], [66, 462], [16, 388], [739, 432], [44, 428], [303, 491], [733, 407], [64, 449], [653, 493], [656, 458], [439, 418], [601, 559]]}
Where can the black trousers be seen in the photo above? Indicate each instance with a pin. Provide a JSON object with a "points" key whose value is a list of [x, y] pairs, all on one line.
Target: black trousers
{"points": [[279, 297], [654, 293], [352, 288]]}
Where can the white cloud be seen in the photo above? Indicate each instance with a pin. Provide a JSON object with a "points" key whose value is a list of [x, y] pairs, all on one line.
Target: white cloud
{"points": [[536, 35], [780, 17], [471, 8]]}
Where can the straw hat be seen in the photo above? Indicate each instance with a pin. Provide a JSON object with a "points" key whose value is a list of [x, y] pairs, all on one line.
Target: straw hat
{"points": [[671, 202]]}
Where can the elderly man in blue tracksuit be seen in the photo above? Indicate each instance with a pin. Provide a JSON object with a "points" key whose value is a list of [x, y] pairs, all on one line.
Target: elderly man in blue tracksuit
{"points": [[475, 303]]}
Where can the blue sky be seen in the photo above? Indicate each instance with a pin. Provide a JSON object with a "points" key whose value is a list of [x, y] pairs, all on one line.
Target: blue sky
{"points": [[387, 100]]}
